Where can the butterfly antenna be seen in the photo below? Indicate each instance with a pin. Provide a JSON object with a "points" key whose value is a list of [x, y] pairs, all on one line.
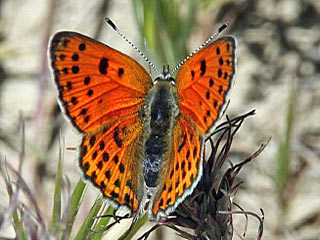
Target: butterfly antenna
{"points": [[147, 51], [214, 35], [108, 20]]}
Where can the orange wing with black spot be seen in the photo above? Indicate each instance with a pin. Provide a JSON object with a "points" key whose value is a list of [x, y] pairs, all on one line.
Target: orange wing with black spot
{"points": [[183, 169], [101, 91], [111, 160], [204, 81], [95, 82]]}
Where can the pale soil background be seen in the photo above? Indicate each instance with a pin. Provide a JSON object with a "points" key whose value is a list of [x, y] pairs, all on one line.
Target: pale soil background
{"points": [[278, 53]]}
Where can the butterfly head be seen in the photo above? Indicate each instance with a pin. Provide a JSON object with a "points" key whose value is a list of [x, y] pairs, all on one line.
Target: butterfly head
{"points": [[165, 76]]}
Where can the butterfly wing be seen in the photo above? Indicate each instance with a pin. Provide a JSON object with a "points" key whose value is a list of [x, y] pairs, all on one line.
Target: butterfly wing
{"points": [[95, 82], [183, 169], [204, 81], [101, 91], [111, 160]]}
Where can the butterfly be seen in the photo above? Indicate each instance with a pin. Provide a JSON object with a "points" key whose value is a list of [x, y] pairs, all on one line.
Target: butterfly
{"points": [[143, 139]]}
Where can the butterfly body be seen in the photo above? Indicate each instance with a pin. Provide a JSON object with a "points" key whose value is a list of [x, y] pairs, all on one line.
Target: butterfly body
{"points": [[141, 138], [161, 112]]}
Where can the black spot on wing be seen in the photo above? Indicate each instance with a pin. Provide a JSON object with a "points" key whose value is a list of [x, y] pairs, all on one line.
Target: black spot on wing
{"points": [[120, 72], [62, 57], [75, 69], [84, 151], [182, 144], [121, 168], [116, 138], [100, 165], [192, 74], [86, 166], [218, 51], [117, 183], [90, 92], [208, 95], [65, 70], [116, 159], [82, 46], [86, 80], [203, 67], [108, 174], [69, 85], [211, 82], [75, 57], [74, 100], [127, 198], [92, 140], [114, 194], [101, 145], [105, 156], [103, 65]]}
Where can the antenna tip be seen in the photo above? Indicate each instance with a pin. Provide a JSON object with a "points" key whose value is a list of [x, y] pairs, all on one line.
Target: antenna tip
{"points": [[223, 27], [108, 20]]}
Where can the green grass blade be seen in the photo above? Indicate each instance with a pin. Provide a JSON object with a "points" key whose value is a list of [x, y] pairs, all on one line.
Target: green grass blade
{"points": [[169, 56], [186, 25], [149, 25], [21, 234], [284, 153], [165, 27], [73, 209], [102, 222], [18, 224], [56, 212], [84, 231], [137, 15]]}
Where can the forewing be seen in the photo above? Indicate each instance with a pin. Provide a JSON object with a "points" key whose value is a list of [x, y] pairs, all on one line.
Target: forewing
{"points": [[96, 83], [204, 81]]}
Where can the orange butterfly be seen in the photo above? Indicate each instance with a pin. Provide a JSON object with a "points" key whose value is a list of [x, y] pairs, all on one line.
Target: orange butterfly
{"points": [[142, 139]]}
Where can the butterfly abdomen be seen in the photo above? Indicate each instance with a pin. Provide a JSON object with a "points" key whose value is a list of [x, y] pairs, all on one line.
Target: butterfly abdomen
{"points": [[161, 112]]}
